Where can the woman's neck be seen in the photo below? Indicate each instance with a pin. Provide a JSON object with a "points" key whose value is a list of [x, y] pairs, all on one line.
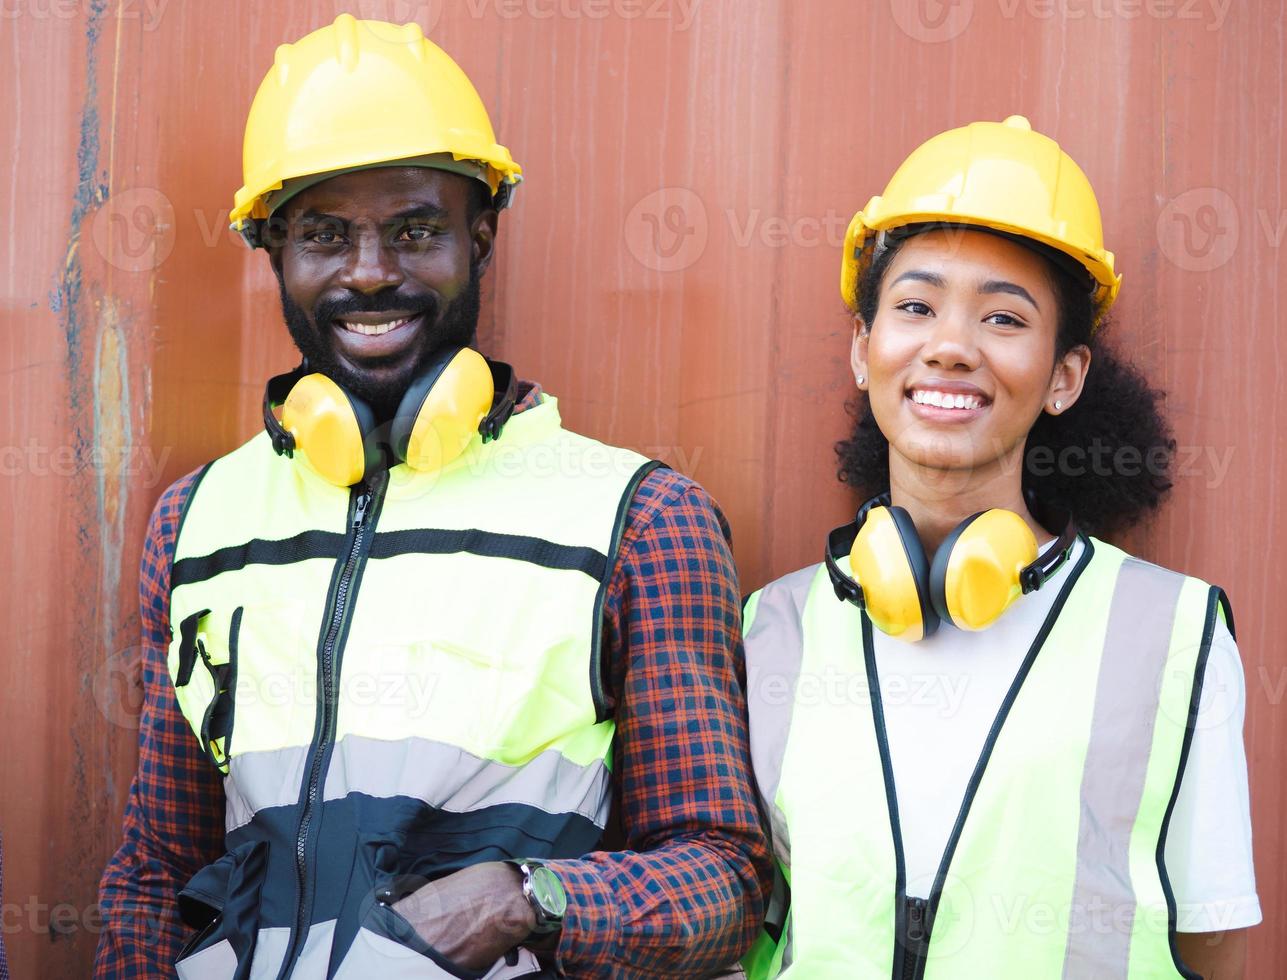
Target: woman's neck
{"points": [[939, 500]]}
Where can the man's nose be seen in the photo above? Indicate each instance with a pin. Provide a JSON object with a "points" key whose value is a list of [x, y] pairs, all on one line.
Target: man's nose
{"points": [[372, 266]]}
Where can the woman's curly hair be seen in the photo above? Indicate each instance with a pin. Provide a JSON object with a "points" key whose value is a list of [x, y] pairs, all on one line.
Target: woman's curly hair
{"points": [[1106, 460]]}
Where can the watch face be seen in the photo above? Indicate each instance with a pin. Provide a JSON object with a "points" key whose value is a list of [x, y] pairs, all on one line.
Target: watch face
{"points": [[548, 892]]}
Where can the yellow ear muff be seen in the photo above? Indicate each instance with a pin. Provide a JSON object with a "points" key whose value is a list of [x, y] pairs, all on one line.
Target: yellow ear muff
{"points": [[976, 572], [330, 428], [449, 412], [888, 562]]}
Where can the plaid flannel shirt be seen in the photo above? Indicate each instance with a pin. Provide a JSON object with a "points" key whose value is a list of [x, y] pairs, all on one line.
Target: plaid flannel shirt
{"points": [[684, 899]]}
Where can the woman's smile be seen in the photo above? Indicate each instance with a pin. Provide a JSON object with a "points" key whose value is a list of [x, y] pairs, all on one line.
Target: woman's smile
{"points": [[947, 402]]}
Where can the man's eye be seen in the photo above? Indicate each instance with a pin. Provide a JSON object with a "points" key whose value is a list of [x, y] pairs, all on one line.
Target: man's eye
{"points": [[323, 237], [417, 233]]}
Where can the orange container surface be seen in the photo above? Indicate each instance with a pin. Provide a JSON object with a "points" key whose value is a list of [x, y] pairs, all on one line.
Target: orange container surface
{"points": [[669, 270]]}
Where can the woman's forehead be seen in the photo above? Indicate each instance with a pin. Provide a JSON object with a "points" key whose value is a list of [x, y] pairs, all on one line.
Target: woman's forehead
{"points": [[960, 252]]}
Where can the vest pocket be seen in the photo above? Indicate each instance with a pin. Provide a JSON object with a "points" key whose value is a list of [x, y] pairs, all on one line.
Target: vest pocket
{"points": [[222, 902], [219, 657]]}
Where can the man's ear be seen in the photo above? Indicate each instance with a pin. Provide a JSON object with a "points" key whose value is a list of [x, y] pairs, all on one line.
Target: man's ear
{"points": [[483, 236], [274, 251], [858, 354]]}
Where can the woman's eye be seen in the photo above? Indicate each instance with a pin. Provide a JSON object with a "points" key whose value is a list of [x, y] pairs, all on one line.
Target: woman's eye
{"points": [[914, 307], [1005, 320]]}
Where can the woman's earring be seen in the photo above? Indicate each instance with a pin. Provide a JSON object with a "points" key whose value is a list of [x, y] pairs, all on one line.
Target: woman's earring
{"points": [[860, 379], [1059, 406]]}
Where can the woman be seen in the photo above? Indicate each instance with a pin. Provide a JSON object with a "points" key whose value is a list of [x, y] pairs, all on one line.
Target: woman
{"points": [[970, 723]]}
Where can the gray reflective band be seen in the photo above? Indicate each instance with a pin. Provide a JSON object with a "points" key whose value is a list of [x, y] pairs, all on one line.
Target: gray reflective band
{"points": [[215, 963], [257, 780], [1127, 697], [443, 776], [375, 956], [774, 650], [270, 949]]}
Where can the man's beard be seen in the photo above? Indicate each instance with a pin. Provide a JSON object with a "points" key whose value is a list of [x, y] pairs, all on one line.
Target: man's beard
{"points": [[455, 327]]}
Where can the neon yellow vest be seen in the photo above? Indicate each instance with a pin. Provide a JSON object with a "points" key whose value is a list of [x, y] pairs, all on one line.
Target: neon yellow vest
{"points": [[1055, 869], [397, 680]]}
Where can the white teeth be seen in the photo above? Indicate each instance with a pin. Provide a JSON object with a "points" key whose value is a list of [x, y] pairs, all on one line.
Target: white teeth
{"points": [[941, 399], [374, 329]]}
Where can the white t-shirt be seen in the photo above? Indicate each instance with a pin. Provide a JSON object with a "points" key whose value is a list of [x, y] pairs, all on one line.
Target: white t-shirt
{"points": [[941, 696]]}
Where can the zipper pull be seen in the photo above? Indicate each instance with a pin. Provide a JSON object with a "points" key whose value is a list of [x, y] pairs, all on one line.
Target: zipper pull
{"points": [[916, 920], [359, 512]]}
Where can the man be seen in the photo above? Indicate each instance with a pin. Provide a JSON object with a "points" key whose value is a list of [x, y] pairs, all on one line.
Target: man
{"points": [[404, 647]]}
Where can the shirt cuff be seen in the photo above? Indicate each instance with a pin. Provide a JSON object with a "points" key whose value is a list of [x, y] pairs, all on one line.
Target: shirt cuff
{"points": [[1221, 916], [591, 926]]}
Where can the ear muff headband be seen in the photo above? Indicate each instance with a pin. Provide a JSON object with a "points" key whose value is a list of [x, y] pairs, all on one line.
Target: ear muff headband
{"points": [[982, 567], [461, 393]]}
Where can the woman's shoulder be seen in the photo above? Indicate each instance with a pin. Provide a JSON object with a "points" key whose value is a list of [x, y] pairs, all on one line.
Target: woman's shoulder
{"points": [[783, 594], [1104, 550]]}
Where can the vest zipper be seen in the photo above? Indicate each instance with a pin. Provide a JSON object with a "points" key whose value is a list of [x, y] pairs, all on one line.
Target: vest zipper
{"points": [[916, 921], [342, 597], [916, 939]]}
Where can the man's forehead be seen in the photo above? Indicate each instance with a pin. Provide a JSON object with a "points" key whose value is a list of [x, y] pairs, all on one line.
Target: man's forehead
{"points": [[383, 190]]}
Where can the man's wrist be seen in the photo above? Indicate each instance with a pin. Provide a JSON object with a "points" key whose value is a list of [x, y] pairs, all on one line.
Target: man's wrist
{"points": [[519, 916], [544, 895]]}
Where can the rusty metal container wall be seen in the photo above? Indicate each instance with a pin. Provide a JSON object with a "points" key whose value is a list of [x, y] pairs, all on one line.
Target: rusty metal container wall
{"points": [[669, 270]]}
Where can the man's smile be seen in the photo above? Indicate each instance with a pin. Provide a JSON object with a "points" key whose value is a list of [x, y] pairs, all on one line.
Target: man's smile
{"points": [[365, 336]]}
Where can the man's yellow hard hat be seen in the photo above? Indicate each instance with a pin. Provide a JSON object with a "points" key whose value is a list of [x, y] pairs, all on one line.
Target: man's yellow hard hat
{"points": [[1001, 176], [357, 93]]}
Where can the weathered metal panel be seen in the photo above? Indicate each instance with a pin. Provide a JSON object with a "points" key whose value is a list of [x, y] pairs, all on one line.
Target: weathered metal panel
{"points": [[669, 271]]}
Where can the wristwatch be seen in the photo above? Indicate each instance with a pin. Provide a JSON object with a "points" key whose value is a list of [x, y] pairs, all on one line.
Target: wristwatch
{"points": [[544, 892]]}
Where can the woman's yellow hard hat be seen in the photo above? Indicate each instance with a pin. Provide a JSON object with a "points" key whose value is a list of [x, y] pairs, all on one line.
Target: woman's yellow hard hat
{"points": [[357, 93], [1001, 176]]}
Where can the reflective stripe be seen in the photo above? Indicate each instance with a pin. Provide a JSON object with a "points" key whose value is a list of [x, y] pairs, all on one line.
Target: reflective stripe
{"points": [[774, 646], [270, 950], [262, 779], [1117, 757], [316, 954], [219, 962], [443, 776], [374, 956]]}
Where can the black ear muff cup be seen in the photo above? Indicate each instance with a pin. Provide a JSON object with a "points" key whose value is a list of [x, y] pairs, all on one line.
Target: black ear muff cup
{"points": [[938, 571], [364, 414], [919, 565]]}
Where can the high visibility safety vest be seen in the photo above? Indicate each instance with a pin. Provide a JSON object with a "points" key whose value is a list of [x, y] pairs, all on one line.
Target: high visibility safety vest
{"points": [[1054, 868], [397, 680]]}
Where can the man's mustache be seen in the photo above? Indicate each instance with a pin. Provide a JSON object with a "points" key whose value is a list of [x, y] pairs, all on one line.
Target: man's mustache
{"points": [[327, 311]]}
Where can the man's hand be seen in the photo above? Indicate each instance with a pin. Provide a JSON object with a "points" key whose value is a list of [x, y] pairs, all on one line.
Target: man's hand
{"points": [[472, 917]]}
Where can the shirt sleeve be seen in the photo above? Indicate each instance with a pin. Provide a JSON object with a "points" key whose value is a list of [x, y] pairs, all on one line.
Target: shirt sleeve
{"points": [[686, 896], [174, 813], [1208, 844]]}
